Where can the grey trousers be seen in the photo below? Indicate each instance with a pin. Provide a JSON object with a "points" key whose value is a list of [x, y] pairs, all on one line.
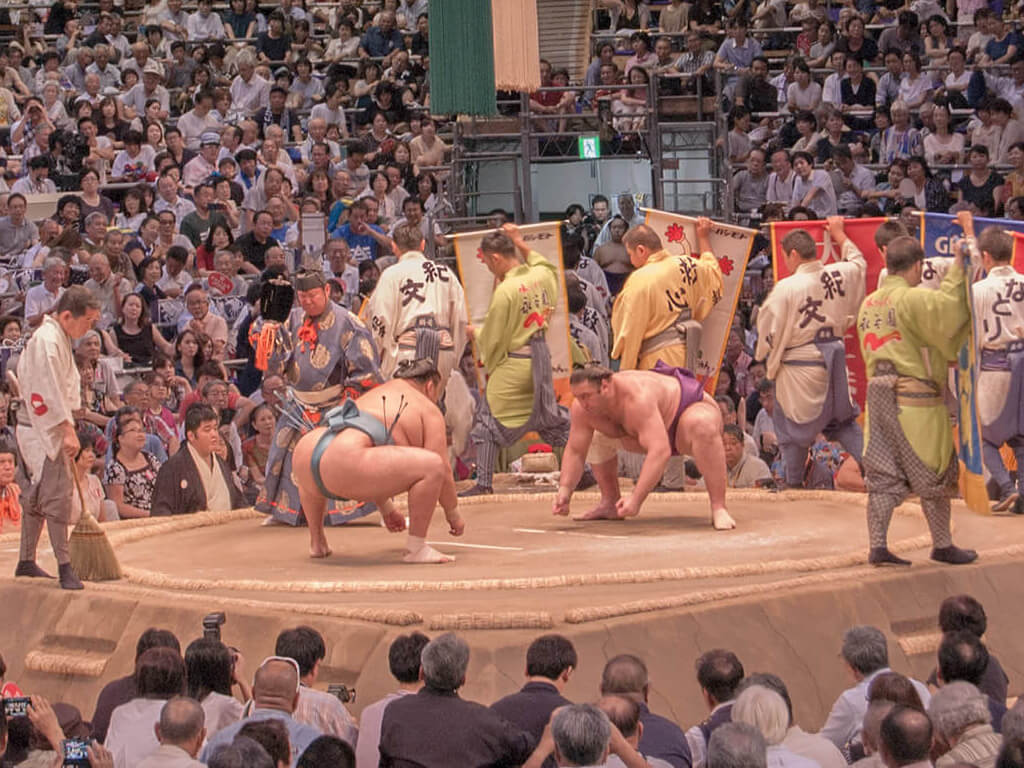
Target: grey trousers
{"points": [[48, 501], [893, 471]]}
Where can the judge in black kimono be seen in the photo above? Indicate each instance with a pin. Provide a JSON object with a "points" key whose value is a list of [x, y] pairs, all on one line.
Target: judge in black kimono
{"points": [[196, 478]]}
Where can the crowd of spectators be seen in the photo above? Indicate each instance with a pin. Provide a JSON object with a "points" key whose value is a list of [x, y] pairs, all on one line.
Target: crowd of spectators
{"points": [[857, 108], [171, 159], [182, 711]]}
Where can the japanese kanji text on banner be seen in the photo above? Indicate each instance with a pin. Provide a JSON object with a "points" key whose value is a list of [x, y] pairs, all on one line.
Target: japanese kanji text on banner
{"points": [[732, 246]]}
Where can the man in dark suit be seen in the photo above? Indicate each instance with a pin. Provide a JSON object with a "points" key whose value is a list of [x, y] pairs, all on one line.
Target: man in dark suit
{"points": [[550, 662], [434, 728], [719, 674], [196, 478], [962, 656], [626, 676]]}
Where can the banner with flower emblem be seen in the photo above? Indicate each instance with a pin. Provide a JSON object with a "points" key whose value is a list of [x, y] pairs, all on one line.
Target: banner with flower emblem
{"points": [[732, 246], [478, 283]]}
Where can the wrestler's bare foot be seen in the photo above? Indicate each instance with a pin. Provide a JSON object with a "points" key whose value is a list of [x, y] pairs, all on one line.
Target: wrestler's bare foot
{"points": [[721, 520], [427, 554], [319, 550], [605, 510]]}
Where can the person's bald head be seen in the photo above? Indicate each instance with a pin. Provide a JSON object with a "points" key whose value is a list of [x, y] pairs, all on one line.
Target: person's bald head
{"points": [[625, 715], [625, 675], [276, 686], [99, 267], [905, 737], [181, 724]]}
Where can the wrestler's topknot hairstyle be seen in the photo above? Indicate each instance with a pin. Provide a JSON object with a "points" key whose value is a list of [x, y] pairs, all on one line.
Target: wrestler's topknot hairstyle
{"points": [[420, 370], [592, 372]]}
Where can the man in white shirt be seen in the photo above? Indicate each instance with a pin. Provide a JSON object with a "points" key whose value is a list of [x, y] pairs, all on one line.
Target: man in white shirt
{"points": [[181, 734], [317, 133], [198, 120], [331, 111], [204, 164], [404, 664], [175, 280], [173, 21], [780, 180], [412, 213], [204, 24], [106, 286], [168, 198], [850, 180], [17, 233], [135, 100], [812, 188], [249, 92], [41, 298], [37, 182], [865, 654], [110, 76]]}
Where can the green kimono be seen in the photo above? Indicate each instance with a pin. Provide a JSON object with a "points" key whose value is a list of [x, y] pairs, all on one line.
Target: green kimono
{"points": [[519, 308], [920, 331]]}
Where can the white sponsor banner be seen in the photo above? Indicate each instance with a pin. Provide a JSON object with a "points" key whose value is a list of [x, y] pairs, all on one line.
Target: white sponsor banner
{"points": [[731, 245], [478, 282]]}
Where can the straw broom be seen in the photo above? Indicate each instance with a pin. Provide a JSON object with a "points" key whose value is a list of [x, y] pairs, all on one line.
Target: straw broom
{"points": [[92, 556]]}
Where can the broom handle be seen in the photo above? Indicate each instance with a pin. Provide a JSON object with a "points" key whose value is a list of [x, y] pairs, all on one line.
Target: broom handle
{"points": [[78, 486]]}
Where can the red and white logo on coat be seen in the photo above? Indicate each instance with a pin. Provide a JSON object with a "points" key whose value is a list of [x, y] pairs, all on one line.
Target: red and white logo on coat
{"points": [[38, 406]]}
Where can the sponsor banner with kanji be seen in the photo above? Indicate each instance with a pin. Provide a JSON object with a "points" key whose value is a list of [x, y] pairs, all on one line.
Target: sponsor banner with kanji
{"points": [[862, 233], [732, 246], [478, 282]]}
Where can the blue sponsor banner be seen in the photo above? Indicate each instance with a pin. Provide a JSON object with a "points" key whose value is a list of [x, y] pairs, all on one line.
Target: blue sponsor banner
{"points": [[940, 230]]}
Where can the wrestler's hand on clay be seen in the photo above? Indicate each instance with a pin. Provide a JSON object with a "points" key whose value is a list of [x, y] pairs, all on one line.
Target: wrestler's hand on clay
{"points": [[456, 525], [394, 520], [627, 506], [561, 503]]}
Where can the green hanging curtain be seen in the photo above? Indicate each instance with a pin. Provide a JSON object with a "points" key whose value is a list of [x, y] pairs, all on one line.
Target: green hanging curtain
{"points": [[461, 58]]}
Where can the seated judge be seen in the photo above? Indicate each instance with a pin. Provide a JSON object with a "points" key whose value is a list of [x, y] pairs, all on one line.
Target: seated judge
{"points": [[196, 478]]}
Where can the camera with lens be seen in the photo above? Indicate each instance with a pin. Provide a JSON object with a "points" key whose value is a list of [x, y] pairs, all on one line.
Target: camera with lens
{"points": [[68, 149], [344, 694], [212, 623]]}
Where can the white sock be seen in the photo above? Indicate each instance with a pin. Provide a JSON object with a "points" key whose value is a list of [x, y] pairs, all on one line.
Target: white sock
{"points": [[415, 543]]}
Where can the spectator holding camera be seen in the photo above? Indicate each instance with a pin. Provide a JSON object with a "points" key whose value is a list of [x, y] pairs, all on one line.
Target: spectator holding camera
{"points": [[213, 670], [317, 709]]}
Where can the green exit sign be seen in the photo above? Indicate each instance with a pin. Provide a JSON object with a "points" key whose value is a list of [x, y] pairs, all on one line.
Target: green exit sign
{"points": [[590, 147]]}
